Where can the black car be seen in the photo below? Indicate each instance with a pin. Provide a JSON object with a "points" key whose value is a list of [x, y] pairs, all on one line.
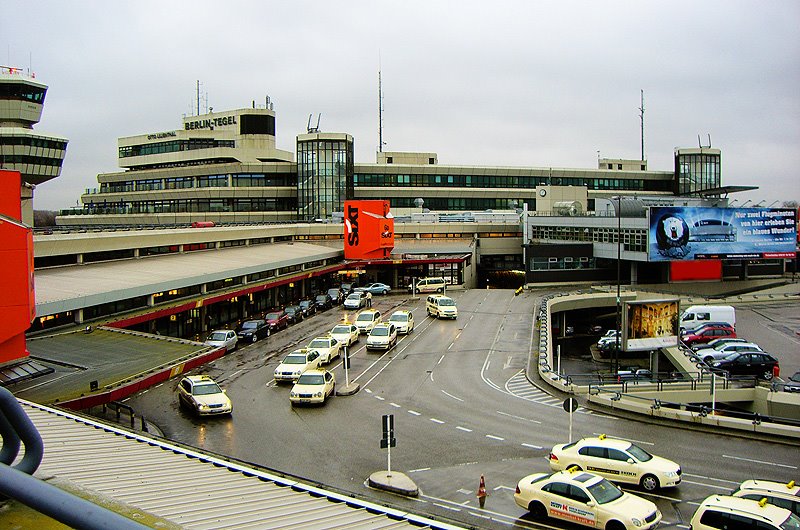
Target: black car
{"points": [[793, 383], [253, 330], [323, 302], [347, 288], [760, 364], [295, 313], [337, 297], [308, 307]]}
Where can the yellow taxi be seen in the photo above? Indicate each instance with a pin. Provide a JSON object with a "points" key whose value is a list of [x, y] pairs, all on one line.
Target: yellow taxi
{"points": [[586, 499], [617, 460], [314, 386], [783, 494]]}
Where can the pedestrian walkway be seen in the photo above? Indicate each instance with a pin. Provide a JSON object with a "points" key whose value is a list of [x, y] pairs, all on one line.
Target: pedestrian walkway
{"points": [[520, 387]]}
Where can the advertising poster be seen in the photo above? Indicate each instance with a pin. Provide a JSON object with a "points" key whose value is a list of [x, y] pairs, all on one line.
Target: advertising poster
{"points": [[650, 324], [368, 229], [686, 233]]}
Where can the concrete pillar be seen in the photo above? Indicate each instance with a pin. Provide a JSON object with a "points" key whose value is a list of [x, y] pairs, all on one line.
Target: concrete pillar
{"points": [[634, 272], [151, 300], [80, 259], [136, 254], [79, 316]]}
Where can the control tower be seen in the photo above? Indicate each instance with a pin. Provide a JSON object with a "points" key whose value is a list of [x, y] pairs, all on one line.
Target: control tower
{"points": [[38, 157]]}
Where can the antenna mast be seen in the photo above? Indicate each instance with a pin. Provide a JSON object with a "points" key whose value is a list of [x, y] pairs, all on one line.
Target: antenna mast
{"points": [[641, 117], [380, 112]]}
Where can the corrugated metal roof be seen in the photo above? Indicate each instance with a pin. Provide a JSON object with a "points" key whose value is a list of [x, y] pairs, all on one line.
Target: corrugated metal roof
{"points": [[192, 489], [68, 288]]}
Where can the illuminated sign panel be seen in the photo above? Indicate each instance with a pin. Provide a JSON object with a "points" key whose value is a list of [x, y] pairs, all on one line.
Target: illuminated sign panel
{"points": [[650, 324], [368, 230], [684, 233]]}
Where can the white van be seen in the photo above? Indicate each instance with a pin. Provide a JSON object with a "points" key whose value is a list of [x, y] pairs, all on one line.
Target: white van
{"points": [[440, 306], [429, 285], [699, 314]]}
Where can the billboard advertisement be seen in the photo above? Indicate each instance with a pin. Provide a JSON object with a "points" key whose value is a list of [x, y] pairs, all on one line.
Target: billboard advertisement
{"points": [[368, 230], [687, 233], [650, 324]]}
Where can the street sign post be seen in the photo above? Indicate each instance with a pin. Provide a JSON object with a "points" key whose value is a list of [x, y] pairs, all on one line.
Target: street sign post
{"points": [[570, 405], [388, 441]]}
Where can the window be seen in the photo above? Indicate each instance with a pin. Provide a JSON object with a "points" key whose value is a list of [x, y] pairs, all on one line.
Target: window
{"points": [[431, 161], [619, 166], [388, 159], [557, 488], [597, 452]]}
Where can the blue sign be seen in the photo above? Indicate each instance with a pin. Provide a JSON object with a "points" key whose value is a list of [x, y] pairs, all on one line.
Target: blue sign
{"points": [[686, 233]]}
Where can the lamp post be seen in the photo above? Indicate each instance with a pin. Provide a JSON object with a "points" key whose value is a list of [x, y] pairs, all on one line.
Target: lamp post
{"points": [[615, 360]]}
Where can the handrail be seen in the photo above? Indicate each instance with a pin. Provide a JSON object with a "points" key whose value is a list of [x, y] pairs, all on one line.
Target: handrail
{"points": [[24, 430]]}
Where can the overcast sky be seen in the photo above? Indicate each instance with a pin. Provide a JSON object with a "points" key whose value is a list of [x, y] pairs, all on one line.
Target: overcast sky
{"points": [[514, 83]]}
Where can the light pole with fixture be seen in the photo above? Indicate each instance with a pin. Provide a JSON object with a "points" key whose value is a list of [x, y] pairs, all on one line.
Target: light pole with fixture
{"points": [[615, 359]]}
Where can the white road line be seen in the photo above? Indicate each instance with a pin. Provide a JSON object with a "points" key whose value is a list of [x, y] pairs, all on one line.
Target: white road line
{"points": [[504, 488], [716, 486], [451, 395], [234, 373], [381, 398], [418, 470], [434, 420], [759, 461], [516, 417], [493, 437], [451, 345], [440, 359], [368, 391], [415, 413], [532, 446], [446, 507], [465, 492], [712, 478], [395, 405], [460, 428]]}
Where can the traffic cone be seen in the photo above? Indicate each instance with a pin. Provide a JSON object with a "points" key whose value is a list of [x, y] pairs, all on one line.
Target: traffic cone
{"points": [[482, 492]]}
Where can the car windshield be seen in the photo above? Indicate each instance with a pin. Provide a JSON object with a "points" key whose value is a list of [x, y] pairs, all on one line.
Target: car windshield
{"points": [[250, 325], [639, 454], [380, 332], [347, 286], [365, 317], [206, 389], [333, 292], [446, 302], [322, 297], [341, 330], [792, 523], [731, 356], [354, 296], [319, 343], [795, 377], [604, 492], [273, 316], [295, 359], [217, 336], [305, 303], [399, 318], [310, 379]]}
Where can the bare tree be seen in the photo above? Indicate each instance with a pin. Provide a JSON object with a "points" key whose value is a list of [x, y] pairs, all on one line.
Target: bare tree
{"points": [[42, 218]]}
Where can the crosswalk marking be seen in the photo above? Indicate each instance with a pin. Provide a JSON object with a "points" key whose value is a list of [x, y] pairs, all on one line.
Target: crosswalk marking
{"points": [[520, 387]]}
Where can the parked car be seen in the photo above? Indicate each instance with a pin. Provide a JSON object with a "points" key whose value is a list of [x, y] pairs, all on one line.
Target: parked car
{"points": [[308, 306], [734, 513], [634, 374], [323, 302], [356, 300], [700, 327], [277, 320], [783, 494], [610, 336], [295, 313], [792, 384], [203, 395], [707, 334], [723, 350], [375, 288], [716, 342], [367, 319], [296, 363], [222, 338], [253, 330], [584, 498], [403, 321], [327, 346], [347, 288], [337, 296], [760, 364]]}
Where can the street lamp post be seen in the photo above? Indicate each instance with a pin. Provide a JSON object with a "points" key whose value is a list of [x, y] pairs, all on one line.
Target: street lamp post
{"points": [[615, 361]]}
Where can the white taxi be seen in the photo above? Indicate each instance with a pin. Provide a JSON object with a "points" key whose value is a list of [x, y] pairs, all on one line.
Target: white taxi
{"points": [[584, 498], [403, 321], [293, 365], [314, 386], [617, 460], [347, 334], [783, 494], [327, 346], [203, 395], [366, 320], [382, 337]]}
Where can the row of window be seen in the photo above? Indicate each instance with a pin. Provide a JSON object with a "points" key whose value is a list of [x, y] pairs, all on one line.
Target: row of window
{"points": [[22, 92], [32, 141], [244, 180], [632, 240], [561, 263], [6, 160], [173, 146], [194, 205], [507, 181]]}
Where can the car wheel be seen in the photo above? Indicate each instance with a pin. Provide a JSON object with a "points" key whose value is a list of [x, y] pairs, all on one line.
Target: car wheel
{"points": [[650, 483], [384, 292], [615, 525], [537, 509], [255, 338], [768, 375], [708, 359]]}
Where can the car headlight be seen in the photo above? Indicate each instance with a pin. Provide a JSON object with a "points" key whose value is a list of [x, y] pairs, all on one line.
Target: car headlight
{"points": [[671, 474], [296, 372], [292, 394], [202, 406], [318, 394], [636, 522]]}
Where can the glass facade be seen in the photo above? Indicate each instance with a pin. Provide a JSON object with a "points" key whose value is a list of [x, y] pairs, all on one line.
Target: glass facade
{"points": [[697, 170], [324, 169]]}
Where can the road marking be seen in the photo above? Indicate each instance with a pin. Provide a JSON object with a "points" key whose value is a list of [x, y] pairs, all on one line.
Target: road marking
{"points": [[381, 398], [234, 373], [532, 446], [452, 396], [716, 486], [759, 461], [493, 437], [415, 413], [395, 405], [516, 417], [434, 420], [504, 488], [440, 359], [712, 478], [629, 439], [368, 391], [465, 492], [451, 345], [446, 507], [460, 428], [418, 470]]}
